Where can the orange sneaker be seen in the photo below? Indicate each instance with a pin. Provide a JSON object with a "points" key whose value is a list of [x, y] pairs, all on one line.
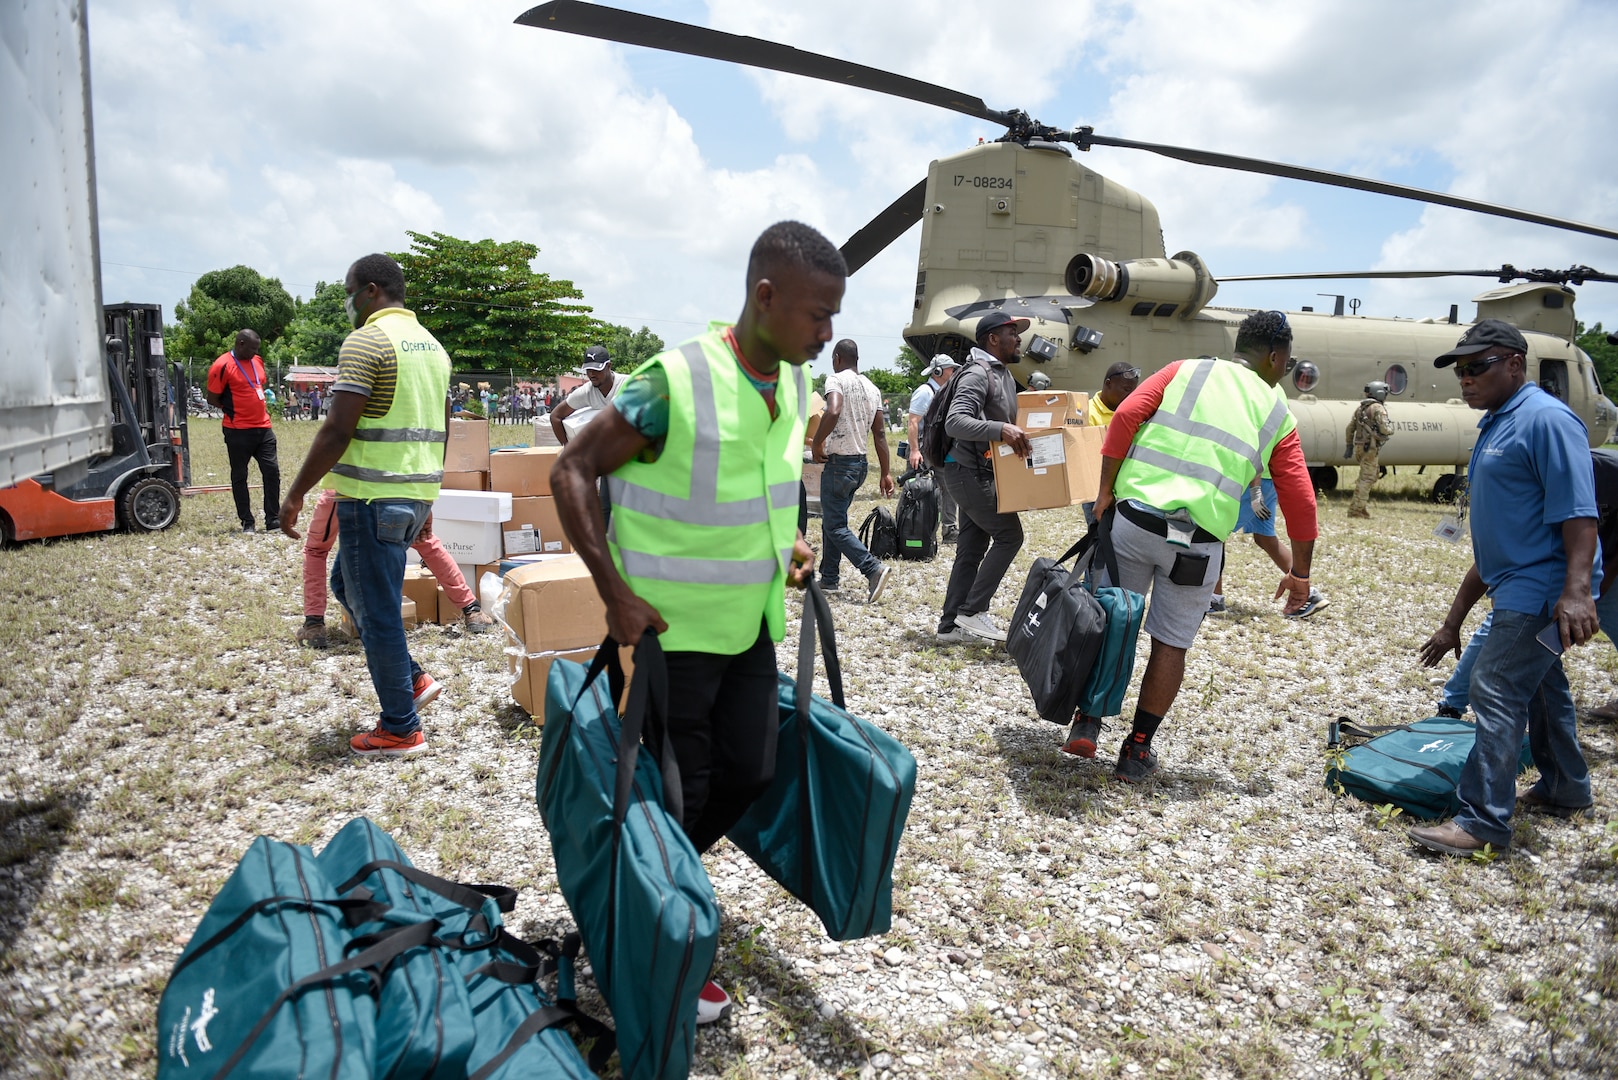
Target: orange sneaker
{"points": [[426, 688], [383, 743]]}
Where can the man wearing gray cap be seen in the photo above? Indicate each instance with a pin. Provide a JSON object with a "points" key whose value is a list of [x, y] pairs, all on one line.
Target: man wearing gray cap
{"points": [[982, 410], [1532, 501], [939, 373], [590, 397]]}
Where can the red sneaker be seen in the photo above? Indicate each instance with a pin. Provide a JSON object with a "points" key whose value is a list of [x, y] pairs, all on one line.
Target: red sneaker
{"points": [[426, 688], [713, 1004], [383, 743]]}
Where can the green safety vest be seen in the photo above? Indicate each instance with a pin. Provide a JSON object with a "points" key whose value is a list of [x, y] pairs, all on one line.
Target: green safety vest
{"points": [[705, 533], [400, 455], [1214, 431]]}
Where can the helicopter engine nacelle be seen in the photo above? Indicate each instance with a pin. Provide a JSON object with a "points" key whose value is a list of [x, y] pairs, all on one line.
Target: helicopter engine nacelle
{"points": [[1180, 286]]}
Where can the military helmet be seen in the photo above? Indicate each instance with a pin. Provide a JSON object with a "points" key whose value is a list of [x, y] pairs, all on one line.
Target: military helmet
{"points": [[1039, 381], [1377, 389]]}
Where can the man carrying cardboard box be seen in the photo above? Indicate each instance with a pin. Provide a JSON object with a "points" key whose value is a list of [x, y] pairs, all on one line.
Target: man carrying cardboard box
{"points": [[383, 444], [982, 411], [703, 447], [1176, 464]]}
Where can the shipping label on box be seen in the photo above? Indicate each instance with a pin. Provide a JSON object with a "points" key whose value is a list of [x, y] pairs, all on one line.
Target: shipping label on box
{"points": [[523, 472], [1063, 469], [1045, 409], [538, 513], [523, 540], [467, 446]]}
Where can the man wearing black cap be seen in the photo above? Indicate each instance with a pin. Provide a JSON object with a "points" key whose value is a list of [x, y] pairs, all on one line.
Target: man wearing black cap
{"points": [[1533, 509], [982, 411], [601, 383]]}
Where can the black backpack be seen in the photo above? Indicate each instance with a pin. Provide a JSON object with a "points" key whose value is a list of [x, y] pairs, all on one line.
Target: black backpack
{"points": [[880, 533], [918, 517]]}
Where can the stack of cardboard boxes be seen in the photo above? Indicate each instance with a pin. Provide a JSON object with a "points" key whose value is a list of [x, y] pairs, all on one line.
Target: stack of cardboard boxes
{"points": [[1064, 468]]}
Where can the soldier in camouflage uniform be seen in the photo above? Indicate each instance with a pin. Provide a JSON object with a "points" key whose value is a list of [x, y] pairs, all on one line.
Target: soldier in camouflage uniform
{"points": [[1366, 433]]}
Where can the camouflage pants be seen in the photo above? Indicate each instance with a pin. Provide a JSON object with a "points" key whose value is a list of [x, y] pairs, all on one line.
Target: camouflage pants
{"points": [[1370, 472]]}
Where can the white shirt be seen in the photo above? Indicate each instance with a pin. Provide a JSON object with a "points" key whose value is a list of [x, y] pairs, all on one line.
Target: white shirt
{"points": [[861, 401], [586, 397]]}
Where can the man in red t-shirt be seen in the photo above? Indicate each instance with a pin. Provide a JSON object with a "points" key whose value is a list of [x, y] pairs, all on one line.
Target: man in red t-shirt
{"points": [[236, 385]]}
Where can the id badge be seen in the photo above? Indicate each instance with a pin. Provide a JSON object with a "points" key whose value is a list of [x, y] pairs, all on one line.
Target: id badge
{"points": [[259, 390], [1450, 528]]}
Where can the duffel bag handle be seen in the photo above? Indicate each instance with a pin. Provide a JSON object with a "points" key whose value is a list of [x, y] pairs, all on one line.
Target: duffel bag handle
{"points": [[817, 618], [646, 712]]}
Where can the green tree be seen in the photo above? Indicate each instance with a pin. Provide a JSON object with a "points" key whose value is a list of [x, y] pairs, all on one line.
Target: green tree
{"points": [[223, 302], [630, 349], [485, 303], [1603, 354], [889, 382], [316, 332], [912, 365]]}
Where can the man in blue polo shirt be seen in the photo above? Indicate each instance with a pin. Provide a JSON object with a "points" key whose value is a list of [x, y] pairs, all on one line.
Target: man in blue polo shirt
{"points": [[1534, 551]]}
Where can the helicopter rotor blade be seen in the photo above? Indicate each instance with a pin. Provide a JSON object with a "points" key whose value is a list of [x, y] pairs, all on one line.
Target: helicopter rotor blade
{"points": [[1576, 275], [1084, 138], [886, 227], [631, 28]]}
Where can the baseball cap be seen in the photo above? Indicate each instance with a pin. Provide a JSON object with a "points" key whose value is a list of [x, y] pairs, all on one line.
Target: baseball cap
{"points": [[942, 361], [1487, 334], [995, 320], [596, 358]]}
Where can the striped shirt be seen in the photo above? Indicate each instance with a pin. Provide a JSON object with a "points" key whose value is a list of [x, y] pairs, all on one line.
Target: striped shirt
{"points": [[366, 365]]}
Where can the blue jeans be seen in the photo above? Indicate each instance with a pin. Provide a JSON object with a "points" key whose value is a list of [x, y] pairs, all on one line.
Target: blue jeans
{"points": [[368, 579], [1519, 683], [1458, 688], [841, 478]]}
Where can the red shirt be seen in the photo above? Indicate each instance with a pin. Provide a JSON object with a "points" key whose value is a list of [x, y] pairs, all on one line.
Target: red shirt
{"points": [[241, 386], [1290, 473]]}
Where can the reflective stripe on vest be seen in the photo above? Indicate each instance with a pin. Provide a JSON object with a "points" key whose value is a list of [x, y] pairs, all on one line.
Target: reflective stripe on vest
{"points": [[400, 455], [1176, 456], [690, 531]]}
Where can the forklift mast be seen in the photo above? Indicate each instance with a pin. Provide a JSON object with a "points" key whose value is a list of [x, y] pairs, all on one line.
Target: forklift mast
{"points": [[150, 412]]}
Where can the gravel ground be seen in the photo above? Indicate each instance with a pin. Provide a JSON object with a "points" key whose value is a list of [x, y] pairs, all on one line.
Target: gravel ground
{"points": [[1231, 919]]}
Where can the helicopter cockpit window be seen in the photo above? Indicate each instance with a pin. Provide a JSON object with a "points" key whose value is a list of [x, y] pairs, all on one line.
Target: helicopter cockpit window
{"points": [[1305, 376], [1397, 379]]}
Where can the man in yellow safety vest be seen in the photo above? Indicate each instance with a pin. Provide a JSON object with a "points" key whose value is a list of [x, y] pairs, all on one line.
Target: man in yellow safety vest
{"points": [[703, 450]]}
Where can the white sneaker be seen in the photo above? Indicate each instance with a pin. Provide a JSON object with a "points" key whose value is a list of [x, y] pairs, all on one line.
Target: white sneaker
{"points": [[954, 636], [878, 582], [713, 1004], [980, 625]]}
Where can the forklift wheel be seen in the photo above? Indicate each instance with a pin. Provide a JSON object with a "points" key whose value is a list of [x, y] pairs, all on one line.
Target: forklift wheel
{"points": [[150, 504]]}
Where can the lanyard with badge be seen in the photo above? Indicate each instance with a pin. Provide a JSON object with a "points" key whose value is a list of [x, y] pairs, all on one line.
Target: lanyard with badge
{"points": [[1452, 527], [246, 372]]}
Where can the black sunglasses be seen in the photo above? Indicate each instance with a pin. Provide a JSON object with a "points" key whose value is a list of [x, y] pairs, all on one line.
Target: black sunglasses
{"points": [[1473, 368]]}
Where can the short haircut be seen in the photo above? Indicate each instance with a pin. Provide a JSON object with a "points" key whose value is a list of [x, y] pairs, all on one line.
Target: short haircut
{"points": [[1263, 331], [248, 334], [383, 272], [846, 347], [792, 243]]}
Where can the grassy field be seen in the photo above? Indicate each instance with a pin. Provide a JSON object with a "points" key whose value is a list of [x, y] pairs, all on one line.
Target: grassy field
{"points": [[1232, 919]]}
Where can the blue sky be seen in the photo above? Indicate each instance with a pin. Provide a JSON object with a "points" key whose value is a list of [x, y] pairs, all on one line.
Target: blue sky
{"points": [[294, 137]]}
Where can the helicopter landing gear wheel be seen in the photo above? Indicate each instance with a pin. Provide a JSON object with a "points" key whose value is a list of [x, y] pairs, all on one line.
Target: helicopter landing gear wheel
{"points": [[150, 504], [1444, 488], [1324, 477]]}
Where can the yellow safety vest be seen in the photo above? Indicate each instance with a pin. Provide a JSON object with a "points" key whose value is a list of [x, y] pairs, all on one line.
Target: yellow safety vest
{"points": [[1214, 431], [400, 455], [705, 533]]}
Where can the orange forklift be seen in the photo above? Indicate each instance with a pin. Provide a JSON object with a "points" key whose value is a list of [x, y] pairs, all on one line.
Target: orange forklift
{"points": [[137, 486]]}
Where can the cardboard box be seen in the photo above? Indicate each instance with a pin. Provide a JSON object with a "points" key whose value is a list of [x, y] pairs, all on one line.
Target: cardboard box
{"points": [[448, 613], [552, 609], [540, 513], [1063, 470], [407, 612], [524, 471], [465, 481], [817, 407], [511, 562], [544, 434], [529, 675], [468, 523], [421, 587], [467, 448], [1042, 409]]}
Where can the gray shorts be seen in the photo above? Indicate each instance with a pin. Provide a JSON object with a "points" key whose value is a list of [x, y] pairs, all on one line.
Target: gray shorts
{"points": [[1145, 561]]}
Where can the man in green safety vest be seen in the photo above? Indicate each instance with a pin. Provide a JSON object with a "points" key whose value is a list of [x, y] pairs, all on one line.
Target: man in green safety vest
{"points": [[383, 444], [1178, 458], [703, 449]]}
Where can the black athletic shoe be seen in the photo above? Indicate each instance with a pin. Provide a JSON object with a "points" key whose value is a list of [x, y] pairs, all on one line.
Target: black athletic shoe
{"points": [[1136, 763], [1449, 712]]}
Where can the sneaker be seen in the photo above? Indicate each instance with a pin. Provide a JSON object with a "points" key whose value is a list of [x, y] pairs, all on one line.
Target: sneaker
{"points": [[951, 536], [272, 526], [713, 1004], [830, 586], [426, 688], [1316, 601], [954, 636], [980, 625], [1082, 736], [1531, 800], [1449, 712], [878, 581], [1135, 762], [1608, 712], [383, 743], [313, 635], [1216, 604], [478, 622], [247, 526]]}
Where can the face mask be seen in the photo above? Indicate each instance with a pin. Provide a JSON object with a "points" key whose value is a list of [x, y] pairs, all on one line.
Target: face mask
{"points": [[348, 309]]}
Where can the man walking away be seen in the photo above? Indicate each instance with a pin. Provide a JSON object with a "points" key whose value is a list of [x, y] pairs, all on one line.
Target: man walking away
{"points": [[1534, 551], [982, 411], [383, 444], [1368, 430], [939, 373], [236, 387], [853, 407], [703, 447], [1177, 463]]}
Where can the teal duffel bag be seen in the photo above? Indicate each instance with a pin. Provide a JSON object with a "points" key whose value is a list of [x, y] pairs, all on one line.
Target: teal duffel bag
{"points": [[635, 885], [1114, 666], [828, 827], [1413, 766]]}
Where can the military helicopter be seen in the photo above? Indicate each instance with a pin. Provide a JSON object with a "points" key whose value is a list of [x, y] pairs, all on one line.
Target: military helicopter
{"points": [[1021, 225]]}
